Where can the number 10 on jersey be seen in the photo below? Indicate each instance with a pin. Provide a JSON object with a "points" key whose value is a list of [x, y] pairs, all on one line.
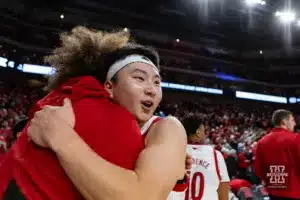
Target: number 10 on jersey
{"points": [[197, 180]]}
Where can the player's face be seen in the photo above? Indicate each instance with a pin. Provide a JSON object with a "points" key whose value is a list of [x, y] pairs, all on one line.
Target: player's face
{"points": [[137, 89], [290, 123]]}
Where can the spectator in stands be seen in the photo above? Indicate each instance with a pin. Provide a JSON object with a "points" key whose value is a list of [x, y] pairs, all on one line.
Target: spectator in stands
{"points": [[237, 184], [232, 164], [279, 152]]}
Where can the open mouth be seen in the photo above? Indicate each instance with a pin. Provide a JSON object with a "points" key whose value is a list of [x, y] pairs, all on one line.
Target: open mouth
{"points": [[147, 104]]}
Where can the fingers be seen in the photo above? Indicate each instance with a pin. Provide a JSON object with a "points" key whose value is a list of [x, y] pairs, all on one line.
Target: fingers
{"points": [[67, 103], [188, 156], [188, 161]]}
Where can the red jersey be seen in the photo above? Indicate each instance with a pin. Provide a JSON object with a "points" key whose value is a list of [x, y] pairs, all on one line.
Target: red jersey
{"points": [[277, 163], [37, 171]]}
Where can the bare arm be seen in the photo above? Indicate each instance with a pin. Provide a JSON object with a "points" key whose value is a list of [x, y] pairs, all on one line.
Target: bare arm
{"points": [[159, 166], [223, 191]]}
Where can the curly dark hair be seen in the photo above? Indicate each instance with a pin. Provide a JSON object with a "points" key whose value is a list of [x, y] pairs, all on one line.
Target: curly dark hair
{"points": [[91, 52]]}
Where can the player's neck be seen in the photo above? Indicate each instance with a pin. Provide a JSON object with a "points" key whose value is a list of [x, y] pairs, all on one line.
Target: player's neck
{"points": [[194, 139], [282, 127]]}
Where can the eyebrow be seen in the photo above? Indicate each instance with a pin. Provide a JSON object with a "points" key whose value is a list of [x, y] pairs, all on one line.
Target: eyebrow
{"points": [[144, 72]]}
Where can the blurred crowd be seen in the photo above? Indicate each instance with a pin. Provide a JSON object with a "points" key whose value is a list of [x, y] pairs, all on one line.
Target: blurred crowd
{"points": [[15, 101]]}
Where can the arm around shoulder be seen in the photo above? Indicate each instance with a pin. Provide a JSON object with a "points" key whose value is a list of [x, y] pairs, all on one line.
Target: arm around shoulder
{"points": [[158, 167]]}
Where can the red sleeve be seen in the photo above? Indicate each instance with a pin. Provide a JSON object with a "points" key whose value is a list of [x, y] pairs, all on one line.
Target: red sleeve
{"points": [[297, 152], [258, 167]]}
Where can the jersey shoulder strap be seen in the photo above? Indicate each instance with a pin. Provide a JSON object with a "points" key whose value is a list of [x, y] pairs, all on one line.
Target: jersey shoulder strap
{"points": [[146, 127], [217, 164]]}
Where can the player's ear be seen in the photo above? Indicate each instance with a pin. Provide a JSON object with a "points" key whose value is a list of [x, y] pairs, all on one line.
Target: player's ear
{"points": [[108, 85], [284, 122], [198, 132]]}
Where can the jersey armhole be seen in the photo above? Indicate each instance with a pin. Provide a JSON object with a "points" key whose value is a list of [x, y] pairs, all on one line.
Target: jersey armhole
{"points": [[153, 122], [217, 165]]}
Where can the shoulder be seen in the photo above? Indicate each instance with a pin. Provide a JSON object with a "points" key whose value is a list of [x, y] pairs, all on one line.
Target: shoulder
{"points": [[171, 125], [170, 121], [102, 105], [264, 139], [168, 128], [102, 114], [219, 155]]}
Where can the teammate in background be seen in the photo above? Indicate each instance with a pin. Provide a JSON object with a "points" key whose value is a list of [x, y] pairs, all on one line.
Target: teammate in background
{"points": [[209, 178], [277, 158]]}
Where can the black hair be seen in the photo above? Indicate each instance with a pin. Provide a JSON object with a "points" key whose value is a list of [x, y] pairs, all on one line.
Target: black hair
{"points": [[279, 116], [191, 124]]}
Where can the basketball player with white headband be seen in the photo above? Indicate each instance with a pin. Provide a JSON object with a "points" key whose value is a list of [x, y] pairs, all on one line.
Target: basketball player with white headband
{"points": [[93, 146]]}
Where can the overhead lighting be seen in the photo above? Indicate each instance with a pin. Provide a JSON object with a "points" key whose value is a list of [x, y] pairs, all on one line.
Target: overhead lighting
{"points": [[125, 29], [177, 40], [286, 16], [261, 52], [255, 2], [62, 16]]}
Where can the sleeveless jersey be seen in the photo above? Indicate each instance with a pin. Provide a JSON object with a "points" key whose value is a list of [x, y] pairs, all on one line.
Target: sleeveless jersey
{"points": [[146, 127], [208, 170]]}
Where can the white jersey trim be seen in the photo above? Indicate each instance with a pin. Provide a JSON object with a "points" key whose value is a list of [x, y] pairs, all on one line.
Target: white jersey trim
{"points": [[222, 167], [147, 125]]}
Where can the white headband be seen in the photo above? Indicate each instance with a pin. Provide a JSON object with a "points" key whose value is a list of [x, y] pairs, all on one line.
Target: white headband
{"points": [[120, 64]]}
